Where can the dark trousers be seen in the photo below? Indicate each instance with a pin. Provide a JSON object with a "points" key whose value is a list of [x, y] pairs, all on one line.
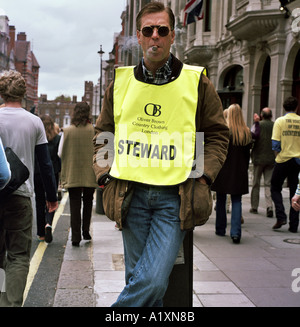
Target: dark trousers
{"points": [[290, 170], [15, 246], [43, 217], [77, 194]]}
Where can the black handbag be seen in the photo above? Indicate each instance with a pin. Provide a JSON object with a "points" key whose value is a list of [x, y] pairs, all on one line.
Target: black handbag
{"points": [[19, 173]]}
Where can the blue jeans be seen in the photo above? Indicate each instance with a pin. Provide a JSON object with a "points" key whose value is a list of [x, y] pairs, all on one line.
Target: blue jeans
{"points": [[152, 238], [236, 214]]}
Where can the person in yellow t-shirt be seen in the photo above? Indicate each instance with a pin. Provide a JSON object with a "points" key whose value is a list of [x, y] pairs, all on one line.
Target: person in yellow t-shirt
{"points": [[286, 145]]}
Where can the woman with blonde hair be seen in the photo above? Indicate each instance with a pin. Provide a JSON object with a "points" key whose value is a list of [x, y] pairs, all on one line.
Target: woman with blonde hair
{"points": [[233, 177]]}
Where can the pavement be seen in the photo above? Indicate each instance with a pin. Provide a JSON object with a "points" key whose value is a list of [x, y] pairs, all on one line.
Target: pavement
{"points": [[262, 271]]}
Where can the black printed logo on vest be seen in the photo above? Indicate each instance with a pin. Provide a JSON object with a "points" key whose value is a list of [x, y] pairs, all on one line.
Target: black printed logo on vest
{"points": [[152, 109]]}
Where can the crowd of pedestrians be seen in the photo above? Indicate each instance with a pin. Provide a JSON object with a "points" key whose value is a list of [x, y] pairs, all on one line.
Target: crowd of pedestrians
{"points": [[272, 155], [152, 205], [36, 143]]}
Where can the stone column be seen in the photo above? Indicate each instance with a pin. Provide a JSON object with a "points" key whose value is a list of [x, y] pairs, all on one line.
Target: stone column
{"points": [[248, 60], [277, 47], [286, 87]]}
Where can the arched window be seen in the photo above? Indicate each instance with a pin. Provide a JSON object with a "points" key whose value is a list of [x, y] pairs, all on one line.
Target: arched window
{"points": [[232, 91]]}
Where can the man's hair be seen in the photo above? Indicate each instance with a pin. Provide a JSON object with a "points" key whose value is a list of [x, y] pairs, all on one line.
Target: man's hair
{"points": [[154, 7], [290, 104], [266, 113], [81, 114], [12, 86]]}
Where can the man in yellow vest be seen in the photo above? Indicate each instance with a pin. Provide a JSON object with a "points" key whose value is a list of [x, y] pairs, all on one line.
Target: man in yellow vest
{"points": [[145, 148]]}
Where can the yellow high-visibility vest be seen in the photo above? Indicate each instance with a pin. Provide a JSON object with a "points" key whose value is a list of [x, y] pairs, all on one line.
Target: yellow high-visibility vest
{"points": [[155, 127]]}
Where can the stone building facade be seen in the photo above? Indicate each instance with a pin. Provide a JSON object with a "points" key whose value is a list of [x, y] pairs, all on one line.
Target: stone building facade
{"points": [[6, 50], [60, 110], [250, 48]]}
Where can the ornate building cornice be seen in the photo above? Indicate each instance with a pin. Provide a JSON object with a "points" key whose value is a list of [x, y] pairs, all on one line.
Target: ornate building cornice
{"points": [[199, 55], [253, 24]]}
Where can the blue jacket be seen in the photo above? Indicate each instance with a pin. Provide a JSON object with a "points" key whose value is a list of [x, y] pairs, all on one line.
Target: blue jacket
{"points": [[4, 168]]}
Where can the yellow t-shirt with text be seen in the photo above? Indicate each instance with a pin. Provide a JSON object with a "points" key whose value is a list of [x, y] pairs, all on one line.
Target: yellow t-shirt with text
{"points": [[286, 130]]}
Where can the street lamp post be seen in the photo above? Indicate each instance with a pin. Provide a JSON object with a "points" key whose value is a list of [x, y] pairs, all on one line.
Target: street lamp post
{"points": [[101, 52], [95, 100], [99, 203]]}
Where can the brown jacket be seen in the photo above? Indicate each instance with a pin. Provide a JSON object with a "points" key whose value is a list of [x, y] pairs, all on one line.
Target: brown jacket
{"points": [[77, 157], [196, 201]]}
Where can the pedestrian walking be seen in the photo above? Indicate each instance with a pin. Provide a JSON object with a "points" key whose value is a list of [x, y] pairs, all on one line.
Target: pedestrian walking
{"points": [[4, 168], [233, 177], [77, 175], [286, 144], [153, 200], [263, 159], [44, 218], [24, 133]]}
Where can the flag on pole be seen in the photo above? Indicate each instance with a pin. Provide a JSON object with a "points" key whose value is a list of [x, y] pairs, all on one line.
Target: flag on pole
{"points": [[193, 10]]}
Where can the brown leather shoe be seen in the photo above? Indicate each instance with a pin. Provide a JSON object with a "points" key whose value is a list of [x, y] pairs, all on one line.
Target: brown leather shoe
{"points": [[279, 223]]}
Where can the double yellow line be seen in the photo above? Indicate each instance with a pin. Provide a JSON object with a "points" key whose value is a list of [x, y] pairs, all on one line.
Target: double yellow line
{"points": [[39, 252]]}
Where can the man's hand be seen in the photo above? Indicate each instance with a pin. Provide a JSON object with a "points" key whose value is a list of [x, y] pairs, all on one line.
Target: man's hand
{"points": [[296, 202], [52, 206]]}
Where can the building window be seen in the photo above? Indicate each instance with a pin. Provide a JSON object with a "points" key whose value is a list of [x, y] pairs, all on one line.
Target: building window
{"points": [[207, 16], [232, 91], [265, 84], [234, 79]]}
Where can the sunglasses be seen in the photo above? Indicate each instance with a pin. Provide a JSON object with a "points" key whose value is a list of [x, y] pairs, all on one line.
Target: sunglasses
{"points": [[162, 30]]}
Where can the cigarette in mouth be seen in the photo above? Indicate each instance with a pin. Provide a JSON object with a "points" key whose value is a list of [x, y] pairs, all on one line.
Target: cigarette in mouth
{"points": [[154, 48]]}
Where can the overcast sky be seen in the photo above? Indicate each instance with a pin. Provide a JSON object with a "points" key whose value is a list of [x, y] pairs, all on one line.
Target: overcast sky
{"points": [[66, 36]]}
